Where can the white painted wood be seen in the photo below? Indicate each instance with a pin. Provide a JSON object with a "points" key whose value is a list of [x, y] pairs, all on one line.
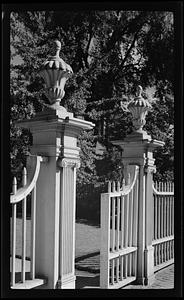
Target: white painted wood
{"points": [[33, 169], [118, 186], [162, 216], [113, 223], [14, 187], [105, 241], [129, 264], [33, 231], [117, 269], [135, 263], [24, 204], [122, 252], [125, 281], [159, 205], [28, 284], [112, 272], [170, 215], [121, 268], [163, 240], [109, 187], [130, 225], [113, 186], [122, 221], [167, 223], [125, 265], [165, 216], [135, 213], [123, 184], [155, 217], [118, 224], [67, 219], [126, 216], [172, 232], [14, 213], [141, 226]]}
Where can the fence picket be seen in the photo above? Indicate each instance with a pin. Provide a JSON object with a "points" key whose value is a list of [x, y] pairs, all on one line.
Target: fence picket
{"points": [[130, 219], [118, 186], [126, 219], [118, 223], [14, 186], [159, 205], [122, 222], [109, 187], [33, 227], [117, 269], [121, 268], [123, 184], [125, 266], [113, 186], [155, 217], [172, 217], [163, 222], [162, 215], [113, 223], [14, 213], [24, 204], [112, 272]]}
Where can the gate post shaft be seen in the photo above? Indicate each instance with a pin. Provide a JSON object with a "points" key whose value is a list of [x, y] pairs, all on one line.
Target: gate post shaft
{"points": [[55, 134], [138, 150], [149, 223]]}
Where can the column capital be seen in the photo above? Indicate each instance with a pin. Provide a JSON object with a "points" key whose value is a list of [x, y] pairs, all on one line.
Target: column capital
{"points": [[150, 169], [69, 162]]}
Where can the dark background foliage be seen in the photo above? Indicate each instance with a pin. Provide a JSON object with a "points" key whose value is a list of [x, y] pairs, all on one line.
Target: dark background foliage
{"points": [[110, 52]]}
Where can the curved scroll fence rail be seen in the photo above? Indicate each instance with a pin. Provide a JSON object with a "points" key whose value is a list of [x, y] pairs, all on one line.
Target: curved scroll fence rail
{"points": [[29, 180], [163, 234], [119, 222]]}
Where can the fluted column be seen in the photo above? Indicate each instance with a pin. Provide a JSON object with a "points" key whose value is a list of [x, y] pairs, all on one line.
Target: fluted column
{"points": [[67, 223]]}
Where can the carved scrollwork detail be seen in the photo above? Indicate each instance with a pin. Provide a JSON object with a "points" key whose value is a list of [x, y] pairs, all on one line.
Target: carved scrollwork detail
{"points": [[69, 163], [150, 169]]}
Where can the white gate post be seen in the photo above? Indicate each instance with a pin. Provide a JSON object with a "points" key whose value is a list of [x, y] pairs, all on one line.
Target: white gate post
{"points": [[138, 150], [55, 132]]}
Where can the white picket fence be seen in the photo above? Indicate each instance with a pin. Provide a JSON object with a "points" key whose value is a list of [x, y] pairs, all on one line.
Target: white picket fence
{"points": [[163, 235], [119, 222], [29, 179]]}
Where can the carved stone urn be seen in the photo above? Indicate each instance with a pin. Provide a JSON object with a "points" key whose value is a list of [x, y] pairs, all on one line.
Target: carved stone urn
{"points": [[55, 73], [139, 108]]}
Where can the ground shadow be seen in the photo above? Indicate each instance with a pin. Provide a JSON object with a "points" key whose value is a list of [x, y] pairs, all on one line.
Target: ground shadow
{"points": [[85, 281]]}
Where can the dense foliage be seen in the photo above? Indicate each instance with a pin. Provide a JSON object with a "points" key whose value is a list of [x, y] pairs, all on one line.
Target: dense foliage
{"points": [[110, 53]]}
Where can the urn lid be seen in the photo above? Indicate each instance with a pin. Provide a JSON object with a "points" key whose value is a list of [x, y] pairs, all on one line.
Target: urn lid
{"points": [[139, 101], [55, 62]]}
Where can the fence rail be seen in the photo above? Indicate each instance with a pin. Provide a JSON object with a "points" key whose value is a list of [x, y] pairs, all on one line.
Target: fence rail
{"points": [[163, 234], [29, 179], [118, 255]]}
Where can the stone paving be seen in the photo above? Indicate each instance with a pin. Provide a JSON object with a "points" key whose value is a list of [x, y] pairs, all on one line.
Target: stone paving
{"points": [[87, 271]]}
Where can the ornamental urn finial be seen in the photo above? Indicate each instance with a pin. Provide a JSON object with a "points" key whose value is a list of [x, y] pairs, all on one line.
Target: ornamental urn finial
{"points": [[55, 73], [139, 108]]}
